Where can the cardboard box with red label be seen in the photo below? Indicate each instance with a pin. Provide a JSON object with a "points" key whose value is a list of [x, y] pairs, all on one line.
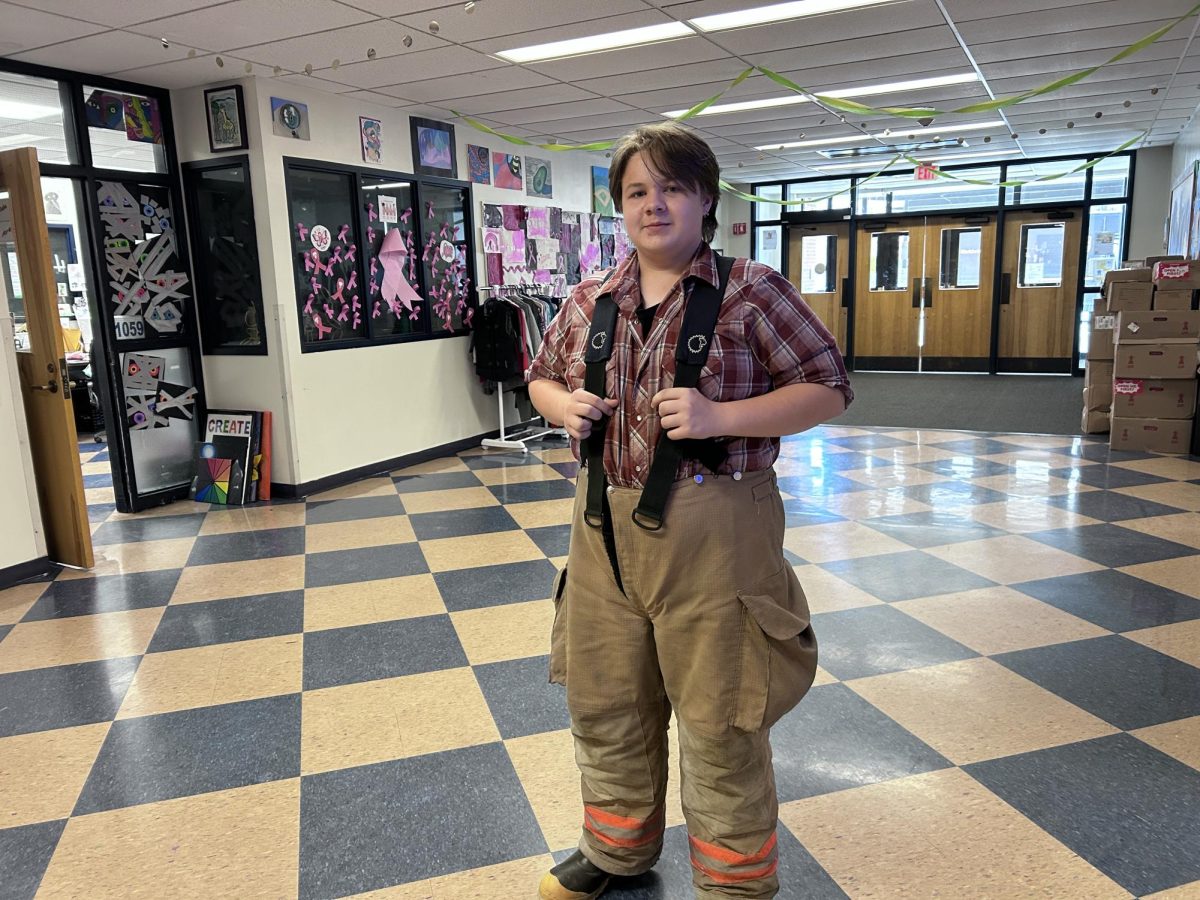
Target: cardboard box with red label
{"points": [[1129, 295], [1165, 326], [1155, 361], [1177, 276], [1154, 398], [1152, 435]]}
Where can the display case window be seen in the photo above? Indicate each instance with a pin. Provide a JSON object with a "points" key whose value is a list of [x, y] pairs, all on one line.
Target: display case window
{"points": [[125, 131], [225, 250], [393, 294], [444, 253]]}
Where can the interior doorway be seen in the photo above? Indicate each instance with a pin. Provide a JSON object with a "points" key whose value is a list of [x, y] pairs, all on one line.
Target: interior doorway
{"points": [[819, 267]]}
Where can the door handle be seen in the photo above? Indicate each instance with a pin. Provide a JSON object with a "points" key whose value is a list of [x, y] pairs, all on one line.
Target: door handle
{"points": [[51, 388], [917, 293], [1005, 289], [845, 292]]}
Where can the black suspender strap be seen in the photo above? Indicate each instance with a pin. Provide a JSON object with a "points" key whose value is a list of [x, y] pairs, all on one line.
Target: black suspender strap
{"points": [[691, 352], [599, 350]]}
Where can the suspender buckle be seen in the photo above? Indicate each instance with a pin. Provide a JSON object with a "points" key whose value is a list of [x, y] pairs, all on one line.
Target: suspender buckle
{"points": [[595, 520], [654, 521]]}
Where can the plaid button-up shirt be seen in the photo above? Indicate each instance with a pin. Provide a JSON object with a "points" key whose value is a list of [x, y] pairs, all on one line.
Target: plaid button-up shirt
{"points": [[766, 337]]}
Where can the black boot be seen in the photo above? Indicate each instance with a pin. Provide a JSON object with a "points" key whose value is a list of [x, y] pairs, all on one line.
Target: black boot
{"points": [[575, 878]]}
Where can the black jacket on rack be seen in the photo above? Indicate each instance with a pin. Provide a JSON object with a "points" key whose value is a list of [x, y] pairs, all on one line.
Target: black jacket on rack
{"points": [[496, 340]]}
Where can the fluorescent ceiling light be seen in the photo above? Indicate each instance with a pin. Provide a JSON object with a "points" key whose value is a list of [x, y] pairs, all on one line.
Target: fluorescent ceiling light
{"points": [[779, 12], [895, 133], [24, 139], [11, 109], [598, 43], [869, 90]]}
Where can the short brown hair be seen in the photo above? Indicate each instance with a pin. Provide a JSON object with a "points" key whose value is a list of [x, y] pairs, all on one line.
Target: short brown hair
{"points": [[670, 151]]}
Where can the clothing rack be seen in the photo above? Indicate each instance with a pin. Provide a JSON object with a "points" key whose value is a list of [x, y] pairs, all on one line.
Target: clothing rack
{"points": [[513, 441]]}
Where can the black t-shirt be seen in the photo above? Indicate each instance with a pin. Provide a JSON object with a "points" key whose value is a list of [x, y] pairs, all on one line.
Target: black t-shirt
{"points": [[645, 316]]}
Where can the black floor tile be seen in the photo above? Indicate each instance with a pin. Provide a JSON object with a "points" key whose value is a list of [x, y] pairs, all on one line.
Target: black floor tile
{"points": [[1128, 809], [446, 481], [1097, 451], [1113, 600], [92, 447], [964, 468], [872, 640], [566, 469], [4, 630], [521, 698], [246, 545], [496, 585], [825, 460], [553, 540], [975, 446], [1106, 477], [195, 751], [102, 456], [462, 522], [1113, 678], [802, 512], [25, 853], [62, 696], [820, 484], [800, 876], [380, 650], [933, 529], [99, 512], [946, 494], [836, 740], [906, 575], [152, 528], [868, 442], [530, 491], [223, 621], [366, 564], [1110, 507], [1111, 545], [103, 594], [502, 459], [411, 819], [357, 508]]}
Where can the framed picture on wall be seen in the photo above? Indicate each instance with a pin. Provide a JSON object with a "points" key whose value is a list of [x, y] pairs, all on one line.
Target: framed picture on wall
{"points": [[433, 148], [226, 114], [1179, 228]]}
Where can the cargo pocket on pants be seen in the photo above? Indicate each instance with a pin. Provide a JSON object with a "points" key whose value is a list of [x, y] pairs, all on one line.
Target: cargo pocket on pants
{"points": [[779, 651], [558, 631]]}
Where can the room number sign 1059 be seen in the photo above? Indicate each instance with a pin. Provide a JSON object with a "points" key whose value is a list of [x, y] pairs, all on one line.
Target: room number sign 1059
{"points": [[130, 328]]}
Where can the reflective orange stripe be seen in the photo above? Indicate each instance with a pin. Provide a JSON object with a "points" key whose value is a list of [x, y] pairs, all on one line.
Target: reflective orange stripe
{"points": [[641, 831], [725, 878], [720, 854]]}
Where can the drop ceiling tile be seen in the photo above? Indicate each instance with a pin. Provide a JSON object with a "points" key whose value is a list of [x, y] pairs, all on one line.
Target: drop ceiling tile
{"points": [[496, 105], [1016, 61], [392, 7], [183, 73], [492, 20], [392, 70], [347, 45], [244, 22], [509, 82], [970, 10], [555, 112], [634, 59], [571, 29], [798, 35], [1034, 45], [865, 50], [115, 13], [1132, 17], [376, 98], [110, 51], [721, 71], [37, 29], [280, 83]]}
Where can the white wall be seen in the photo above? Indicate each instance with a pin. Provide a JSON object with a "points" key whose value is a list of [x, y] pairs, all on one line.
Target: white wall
{"points": [[21, 535], [1186, 149], [1151, 199]]}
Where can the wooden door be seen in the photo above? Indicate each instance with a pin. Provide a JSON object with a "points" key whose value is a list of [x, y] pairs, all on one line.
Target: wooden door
{"points": [[43, 369], [1039, 286], [819, 267], [887, 302], [959, 265]]}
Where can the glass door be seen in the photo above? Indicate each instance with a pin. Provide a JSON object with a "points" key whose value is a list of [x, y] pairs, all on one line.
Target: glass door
{"points": [[819, 267], [957, 307], [1039, 286], [888, 295]]}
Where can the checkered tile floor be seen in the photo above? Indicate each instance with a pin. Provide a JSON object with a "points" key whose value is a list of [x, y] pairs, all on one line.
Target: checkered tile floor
{"points": [[348, 694]]}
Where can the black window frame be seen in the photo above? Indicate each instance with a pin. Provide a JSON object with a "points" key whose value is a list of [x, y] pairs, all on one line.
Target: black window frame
{"points": [[420, 184]]}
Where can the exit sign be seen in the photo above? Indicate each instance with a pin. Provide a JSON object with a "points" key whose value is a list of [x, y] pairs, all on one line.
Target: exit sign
{"points": [[926, 173], [739, 227]]}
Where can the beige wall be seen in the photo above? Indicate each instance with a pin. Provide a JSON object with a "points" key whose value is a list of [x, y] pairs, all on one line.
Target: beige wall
{"points": [[1151, 199]]}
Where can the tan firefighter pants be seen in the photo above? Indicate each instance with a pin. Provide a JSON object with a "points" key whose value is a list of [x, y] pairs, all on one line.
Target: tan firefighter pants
{"points": [[712, 623]]}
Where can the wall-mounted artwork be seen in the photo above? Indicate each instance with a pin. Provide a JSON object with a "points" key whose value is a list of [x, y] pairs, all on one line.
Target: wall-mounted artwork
{"points": [[539, 181], [506, 171], [105, 110], [142, 122], [225, 111], [289, 118], [433, 148], [478, 164], [602, 199], [370, 133]]}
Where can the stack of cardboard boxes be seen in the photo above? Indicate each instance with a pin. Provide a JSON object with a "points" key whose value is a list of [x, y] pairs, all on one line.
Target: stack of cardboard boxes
{"points": [[1155, 346], [1130, 289]]}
